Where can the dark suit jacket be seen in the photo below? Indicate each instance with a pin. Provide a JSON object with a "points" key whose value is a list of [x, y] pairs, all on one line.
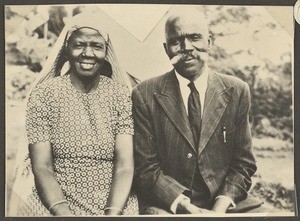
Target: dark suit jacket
{"points": [[166, 156]]}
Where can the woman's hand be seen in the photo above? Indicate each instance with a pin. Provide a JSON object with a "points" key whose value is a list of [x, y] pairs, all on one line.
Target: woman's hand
{"points": [[61, 209]]}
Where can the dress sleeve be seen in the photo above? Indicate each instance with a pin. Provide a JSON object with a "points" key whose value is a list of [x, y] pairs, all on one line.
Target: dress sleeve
{"points": [[38, 116], [124, 123]]}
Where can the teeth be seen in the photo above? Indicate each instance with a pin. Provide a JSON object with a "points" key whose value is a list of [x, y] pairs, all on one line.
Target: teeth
{"points": [[86, 65]]}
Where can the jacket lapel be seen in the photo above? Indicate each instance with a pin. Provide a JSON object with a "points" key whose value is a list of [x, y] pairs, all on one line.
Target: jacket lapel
{"points": [[171, 101], [216, 99]]}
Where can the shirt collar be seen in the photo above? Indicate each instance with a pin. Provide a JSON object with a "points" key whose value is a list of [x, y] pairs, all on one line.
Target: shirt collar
{"points": [[200, 82]]}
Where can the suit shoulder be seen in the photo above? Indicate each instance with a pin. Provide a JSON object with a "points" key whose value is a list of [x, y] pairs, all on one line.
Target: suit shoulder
{"points": [[151, 84]]}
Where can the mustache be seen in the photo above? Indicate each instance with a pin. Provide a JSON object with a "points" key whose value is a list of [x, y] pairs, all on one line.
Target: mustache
{"points": [[187, 54]]}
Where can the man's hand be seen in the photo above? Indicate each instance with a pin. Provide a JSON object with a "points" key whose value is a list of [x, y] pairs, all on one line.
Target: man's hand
{"points": [[221, 205], [192, 209], [185, 206]]}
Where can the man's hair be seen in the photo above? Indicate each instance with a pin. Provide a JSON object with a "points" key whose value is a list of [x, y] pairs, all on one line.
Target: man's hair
{"points": [[190, 12]]}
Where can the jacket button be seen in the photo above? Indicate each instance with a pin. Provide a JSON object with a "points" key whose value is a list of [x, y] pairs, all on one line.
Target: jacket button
{"points": [[189, 155]]}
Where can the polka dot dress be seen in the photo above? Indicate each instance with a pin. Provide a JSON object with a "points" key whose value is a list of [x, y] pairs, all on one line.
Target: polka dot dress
{"points": [[82, 129]]}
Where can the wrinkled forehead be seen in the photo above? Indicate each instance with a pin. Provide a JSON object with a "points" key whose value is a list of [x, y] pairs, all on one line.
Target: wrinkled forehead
{"points": [[186, 22], [84, 32]]}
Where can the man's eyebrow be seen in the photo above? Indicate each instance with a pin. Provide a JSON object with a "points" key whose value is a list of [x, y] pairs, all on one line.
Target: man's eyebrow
{"points": [[194, 34], [184, 36]]}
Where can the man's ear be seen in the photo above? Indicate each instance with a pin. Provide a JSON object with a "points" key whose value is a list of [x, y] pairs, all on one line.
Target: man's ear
{"points": [[166, 49]]}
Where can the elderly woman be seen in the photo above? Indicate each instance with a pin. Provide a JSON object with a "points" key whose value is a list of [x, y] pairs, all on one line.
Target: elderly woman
{"points": [[79, 128]]}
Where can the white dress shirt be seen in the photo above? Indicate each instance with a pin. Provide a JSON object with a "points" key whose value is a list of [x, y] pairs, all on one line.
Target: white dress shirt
{"points": [[201, 86]]}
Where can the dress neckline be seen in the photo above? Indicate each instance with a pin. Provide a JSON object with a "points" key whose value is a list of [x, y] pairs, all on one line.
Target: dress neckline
{"points": [[82, 93]]}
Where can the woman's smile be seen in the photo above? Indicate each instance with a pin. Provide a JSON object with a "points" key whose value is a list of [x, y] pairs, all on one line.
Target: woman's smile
{"points": [[86, 65]]}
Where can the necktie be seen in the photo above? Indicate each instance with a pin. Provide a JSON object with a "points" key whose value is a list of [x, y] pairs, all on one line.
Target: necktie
{"points": [[194, 111]]}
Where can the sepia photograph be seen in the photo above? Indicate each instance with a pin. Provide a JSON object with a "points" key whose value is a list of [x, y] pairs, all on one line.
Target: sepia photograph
{"points": [[149, 110]]}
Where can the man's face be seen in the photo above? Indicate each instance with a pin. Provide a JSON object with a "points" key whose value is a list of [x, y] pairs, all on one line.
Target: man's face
{"points": [[86, 52], [187, 42]]}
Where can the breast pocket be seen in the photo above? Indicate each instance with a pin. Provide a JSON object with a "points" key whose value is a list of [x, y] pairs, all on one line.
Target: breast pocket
{"points": [[226, 146], [227, 136]]}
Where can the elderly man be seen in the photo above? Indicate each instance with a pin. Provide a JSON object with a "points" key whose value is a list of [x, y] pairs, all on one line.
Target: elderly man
{"points": [[192, 134]]}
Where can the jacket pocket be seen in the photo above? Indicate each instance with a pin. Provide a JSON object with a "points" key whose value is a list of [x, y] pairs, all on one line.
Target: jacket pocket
{"points": [[227, 135]]}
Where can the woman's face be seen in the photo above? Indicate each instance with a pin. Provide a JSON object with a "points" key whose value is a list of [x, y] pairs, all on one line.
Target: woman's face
{"points": [[86, 52]]}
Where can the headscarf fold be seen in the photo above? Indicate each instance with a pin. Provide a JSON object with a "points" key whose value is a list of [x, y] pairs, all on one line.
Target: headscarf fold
{"points": [[57, 63]]}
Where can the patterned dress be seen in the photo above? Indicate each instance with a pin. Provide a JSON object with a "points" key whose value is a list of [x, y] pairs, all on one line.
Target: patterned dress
{"points": [[82, 128]]}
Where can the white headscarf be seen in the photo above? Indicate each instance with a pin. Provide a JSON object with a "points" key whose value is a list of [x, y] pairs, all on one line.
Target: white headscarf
{"points": [[57, 63]]}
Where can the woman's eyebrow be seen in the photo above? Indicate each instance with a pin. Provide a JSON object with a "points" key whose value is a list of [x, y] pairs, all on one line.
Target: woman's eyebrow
{"points": [[77, 40], [80, 41], [97, 42]]}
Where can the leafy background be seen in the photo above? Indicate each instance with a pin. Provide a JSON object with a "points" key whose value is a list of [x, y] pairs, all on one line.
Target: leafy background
{"points": [[247, 43]]}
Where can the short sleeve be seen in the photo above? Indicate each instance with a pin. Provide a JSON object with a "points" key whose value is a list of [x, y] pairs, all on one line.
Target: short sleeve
{"points": [[38, 116], [124, 123]]}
